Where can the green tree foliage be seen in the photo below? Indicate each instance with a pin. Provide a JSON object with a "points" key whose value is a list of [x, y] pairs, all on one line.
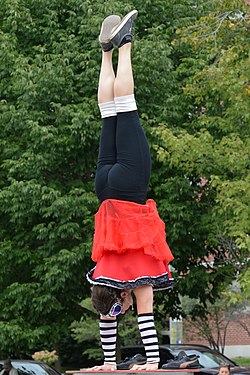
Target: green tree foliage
{"points": [[49, 134], [210, 152], [191, 89]]}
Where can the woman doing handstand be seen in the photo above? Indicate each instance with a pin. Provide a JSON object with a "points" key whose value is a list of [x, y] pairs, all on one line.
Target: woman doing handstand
{"points": [[129, 248]]}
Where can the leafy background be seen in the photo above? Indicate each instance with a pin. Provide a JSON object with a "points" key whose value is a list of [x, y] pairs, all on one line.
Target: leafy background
{"points": [[190, 62]]}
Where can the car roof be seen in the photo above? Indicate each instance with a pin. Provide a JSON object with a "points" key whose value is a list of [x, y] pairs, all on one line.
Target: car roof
{"points": [[21, 362], [189, 346], [174, 349], [202, 348], [24, 361]]}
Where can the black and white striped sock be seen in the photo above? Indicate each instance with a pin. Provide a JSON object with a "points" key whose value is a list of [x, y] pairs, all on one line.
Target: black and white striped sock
{"points": [[149, 337], [108, 332]]}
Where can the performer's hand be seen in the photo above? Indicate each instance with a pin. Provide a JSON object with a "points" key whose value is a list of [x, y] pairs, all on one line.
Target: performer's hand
{"points": [[147, 367], [106, 367]]}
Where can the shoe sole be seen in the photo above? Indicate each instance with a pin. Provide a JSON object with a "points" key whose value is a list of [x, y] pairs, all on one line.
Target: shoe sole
{"points": [[187, 364], [183, 365], [107, 26], [123, 22]]}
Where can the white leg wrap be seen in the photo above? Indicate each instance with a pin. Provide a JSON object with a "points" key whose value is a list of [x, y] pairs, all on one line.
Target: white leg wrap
{"points": [[125, 103], [107, 109]]}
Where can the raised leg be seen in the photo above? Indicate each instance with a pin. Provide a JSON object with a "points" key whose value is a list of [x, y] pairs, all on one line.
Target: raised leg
{"points": [[107, 146], [124, 82], [106, 79], [131, 173]]}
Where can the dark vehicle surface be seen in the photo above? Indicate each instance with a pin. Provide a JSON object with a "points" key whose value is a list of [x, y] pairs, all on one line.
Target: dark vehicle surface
{"points": [[209, 359], [28, 367]]}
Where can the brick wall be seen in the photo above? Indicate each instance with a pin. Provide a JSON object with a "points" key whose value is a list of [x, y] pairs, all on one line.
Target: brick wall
{"points": [[235, 333]]}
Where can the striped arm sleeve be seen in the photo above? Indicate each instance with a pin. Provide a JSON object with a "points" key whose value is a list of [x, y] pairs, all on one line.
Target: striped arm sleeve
{"points": [[108, 332], [149, 337]]}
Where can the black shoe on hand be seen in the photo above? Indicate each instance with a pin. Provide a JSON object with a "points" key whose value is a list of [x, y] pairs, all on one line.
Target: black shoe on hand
{"points": [[129, 362]]}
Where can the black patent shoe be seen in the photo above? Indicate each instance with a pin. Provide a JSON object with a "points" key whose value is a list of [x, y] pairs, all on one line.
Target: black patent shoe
{"points": [[129, 362], [183, 362]]}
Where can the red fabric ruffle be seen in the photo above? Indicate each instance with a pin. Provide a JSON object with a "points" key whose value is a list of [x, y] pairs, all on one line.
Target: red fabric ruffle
{"points": [[122, 226]]}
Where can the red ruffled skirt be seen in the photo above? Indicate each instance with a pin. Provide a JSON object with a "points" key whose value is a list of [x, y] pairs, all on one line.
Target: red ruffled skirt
{"points": [[130, 246]]}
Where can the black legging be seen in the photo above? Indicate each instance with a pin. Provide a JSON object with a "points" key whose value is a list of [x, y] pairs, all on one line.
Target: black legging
{"points": [[124, 163]]}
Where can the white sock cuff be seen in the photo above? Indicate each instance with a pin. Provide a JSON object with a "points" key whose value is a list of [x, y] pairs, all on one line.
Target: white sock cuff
{"points": [[107, 109], [125, 103]]}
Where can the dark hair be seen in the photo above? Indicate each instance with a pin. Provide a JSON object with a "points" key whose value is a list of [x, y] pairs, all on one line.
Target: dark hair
{"points": [[225, 365], [103, 297]]}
